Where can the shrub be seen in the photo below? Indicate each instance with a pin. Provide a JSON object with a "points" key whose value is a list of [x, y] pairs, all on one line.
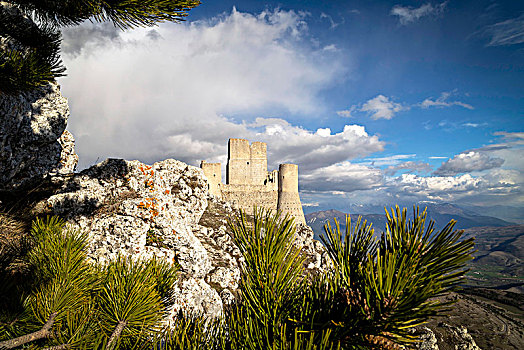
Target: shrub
{"points": [[376, 290], [71, 303]]}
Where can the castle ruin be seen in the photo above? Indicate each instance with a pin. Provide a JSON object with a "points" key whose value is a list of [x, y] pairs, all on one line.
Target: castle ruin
{"points": [[249, 184]]}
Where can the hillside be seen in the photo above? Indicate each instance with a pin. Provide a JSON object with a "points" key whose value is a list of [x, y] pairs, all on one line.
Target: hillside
{"points": [[499, 258]]}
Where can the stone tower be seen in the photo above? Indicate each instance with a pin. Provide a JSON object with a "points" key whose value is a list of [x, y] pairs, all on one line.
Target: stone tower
{"points": [[288, 199], [213, 173], [246, 164]]}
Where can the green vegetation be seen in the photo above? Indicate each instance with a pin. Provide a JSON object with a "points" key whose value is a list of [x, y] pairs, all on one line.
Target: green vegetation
{"points": [[55, 297], [371, 295], [30, 56]]}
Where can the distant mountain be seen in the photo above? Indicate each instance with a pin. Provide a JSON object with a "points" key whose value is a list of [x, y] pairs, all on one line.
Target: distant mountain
{"points": [[440, 213], [443, 213], [504, 212], [318, 219]]}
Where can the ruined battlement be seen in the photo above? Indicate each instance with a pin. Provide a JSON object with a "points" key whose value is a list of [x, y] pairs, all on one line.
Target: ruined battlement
{"points": [[249, 184]]}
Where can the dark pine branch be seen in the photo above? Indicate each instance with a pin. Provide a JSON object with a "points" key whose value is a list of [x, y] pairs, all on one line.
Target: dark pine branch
{"points": [[44, 332], [116, 333]]}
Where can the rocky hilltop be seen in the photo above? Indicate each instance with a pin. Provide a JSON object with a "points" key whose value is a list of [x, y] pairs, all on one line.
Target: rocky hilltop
{"points": [[144, 211]]}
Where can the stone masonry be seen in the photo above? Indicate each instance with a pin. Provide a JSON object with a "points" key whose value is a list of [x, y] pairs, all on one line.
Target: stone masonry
{"points": [[249, 184]]}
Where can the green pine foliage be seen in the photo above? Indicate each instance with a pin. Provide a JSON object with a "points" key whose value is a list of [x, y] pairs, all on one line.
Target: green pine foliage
{"points": [[30, 32], [68, 302], [272, 277], [374, 293], [369, 297]]}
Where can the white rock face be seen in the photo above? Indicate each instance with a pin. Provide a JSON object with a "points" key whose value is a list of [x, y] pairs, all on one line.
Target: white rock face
{"points": [[317, 258], [132, 209], [428, 340], [33, 139]]}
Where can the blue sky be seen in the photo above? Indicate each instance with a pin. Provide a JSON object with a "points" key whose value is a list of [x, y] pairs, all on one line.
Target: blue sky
{"points": [[379, 102]]}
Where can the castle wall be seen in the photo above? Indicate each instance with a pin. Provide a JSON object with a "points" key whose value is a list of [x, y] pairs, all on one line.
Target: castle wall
{"points": [[213, 173], [258, 163], [288, 198], [246, 197]]}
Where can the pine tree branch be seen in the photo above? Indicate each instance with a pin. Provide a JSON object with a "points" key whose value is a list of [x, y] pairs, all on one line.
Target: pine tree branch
{"points": [[44, 332], [59, 347], [116, 333]]}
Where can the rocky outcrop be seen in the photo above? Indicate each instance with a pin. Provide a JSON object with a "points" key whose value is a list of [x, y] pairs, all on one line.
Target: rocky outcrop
{"points": [[33, 139], [163, 210], [132, 209], [317, 259], [427, 340], [444, 337]]}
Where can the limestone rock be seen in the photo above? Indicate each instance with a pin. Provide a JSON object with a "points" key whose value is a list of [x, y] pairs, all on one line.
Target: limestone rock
{"points": [[428, 340], [33, 138], [316, 256], [462, 339], [132, 209], [163, 210], [196, 296], [444, 336]]}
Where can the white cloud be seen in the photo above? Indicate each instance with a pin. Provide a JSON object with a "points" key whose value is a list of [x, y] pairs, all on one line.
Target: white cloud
{"points": [[312, 149], [474, 125], [347, 113], [516, 136], [408, 14], [312, 204], [468, 162], [442, 101], [494, 173], [381, 107], [88, 36], [342, 177], [390, 160], [332, 23], [410, 167], [184, 91], [509, 32]]}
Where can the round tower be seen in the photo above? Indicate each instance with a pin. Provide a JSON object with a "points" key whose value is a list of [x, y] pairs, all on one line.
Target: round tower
{"points": [[288, 199]]}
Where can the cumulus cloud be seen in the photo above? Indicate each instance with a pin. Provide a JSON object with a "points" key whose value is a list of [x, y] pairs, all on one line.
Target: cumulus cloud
{"points": [[408, 14], [468, 162], [409, 167], [490, 187], [381, 107], [312, 149], [185, 90], [484, 176], [342, 177], [442, 101], [509, 32]]}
